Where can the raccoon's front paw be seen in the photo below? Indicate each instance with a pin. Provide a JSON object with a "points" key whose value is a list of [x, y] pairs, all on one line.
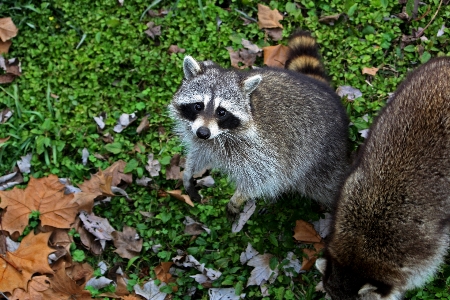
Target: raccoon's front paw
{"points": [[194, 194], [232, 212]]}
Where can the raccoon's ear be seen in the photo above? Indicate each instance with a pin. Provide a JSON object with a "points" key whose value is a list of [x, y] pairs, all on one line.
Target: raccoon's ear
{"points": [[321, 264], [191, 67], [251, 83], [367, 288]]}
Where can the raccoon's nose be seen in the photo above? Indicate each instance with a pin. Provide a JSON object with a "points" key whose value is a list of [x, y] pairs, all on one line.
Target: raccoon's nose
{"points": [[203, 132]]}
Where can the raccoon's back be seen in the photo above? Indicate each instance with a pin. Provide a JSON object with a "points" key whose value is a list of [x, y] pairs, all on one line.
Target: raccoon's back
{"points": [[394, 208]]}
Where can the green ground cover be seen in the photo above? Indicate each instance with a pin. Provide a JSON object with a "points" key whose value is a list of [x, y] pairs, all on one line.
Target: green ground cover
{"points": [[97, 59]]}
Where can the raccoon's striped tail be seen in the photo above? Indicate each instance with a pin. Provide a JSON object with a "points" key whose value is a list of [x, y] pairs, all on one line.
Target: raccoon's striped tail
{"points": [[304, 56]]}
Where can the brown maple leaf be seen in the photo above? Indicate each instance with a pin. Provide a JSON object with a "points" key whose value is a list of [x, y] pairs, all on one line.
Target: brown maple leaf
{"points": [[116, 171], [268, 18], [4, 47], [310, 256], [61, 283], [162, 271], [305, 232], [99, 185], [45, 195], [126, 243], [178, 195], [38, 288], [7, 29], [275, 56], [16, 268], [173, 169]]}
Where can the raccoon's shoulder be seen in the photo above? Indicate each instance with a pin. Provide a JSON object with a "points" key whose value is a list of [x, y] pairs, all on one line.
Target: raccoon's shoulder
{"points": [[304, 56]]}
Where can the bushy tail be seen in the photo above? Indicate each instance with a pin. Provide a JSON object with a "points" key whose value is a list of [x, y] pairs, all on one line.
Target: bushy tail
{"points": [[304, 56]]}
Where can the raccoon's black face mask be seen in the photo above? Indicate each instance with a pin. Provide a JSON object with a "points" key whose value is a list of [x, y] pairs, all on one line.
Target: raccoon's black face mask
{"points": [[343, 283]]}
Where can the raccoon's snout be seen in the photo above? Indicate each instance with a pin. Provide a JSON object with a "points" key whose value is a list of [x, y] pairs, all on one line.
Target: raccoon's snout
{"points": [[203, 132]]}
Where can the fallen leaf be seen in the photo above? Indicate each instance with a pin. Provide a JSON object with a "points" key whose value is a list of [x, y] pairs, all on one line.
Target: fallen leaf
{"points": [[207, 181], [116, 171], [153, 31], [150, 290], [5, 114], [124, 121], [194, 228], [275, 56], [305, 232], [144, 181], [249, 253], [252, 48], [178, 195], [275, 34], [153, 166], [162, 271], [224, 293], [16, 268], [45, 195], [87, 239], [262, 271], [350, 92], [175, 49], [309, 259], [207, 275], [173, 169], [323, 226], [144, 125], [38, 288], [10, 180], [7, 29], [98, 226], [4, 47], [371, 71], [127, 242], [244, 216], [330, 19], [242, 56], [84, 156], [25, 163], [292, 268], [98, 185], [11, 66], [99, 283], [268, 18], [64, 285]]}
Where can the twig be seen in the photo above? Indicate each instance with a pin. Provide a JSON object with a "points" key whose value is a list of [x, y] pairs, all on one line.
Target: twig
{"points": [[419, 34]]}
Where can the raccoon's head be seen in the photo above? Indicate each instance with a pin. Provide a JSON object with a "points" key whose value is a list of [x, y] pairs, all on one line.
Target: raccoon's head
{"points": [[212, 100], [343, 283]]}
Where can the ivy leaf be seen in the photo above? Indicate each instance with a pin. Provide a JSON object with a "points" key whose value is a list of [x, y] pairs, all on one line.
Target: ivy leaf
{"points": [[114, 148]]}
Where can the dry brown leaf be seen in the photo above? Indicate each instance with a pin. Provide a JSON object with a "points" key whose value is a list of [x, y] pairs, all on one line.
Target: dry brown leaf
{"points": [[126, 243], [178, 195], [116, 171], [268, 18], [144, 125], [243, 56], [81, 273], [175, 49], [7, 29], [4, 46], [4, 140], [371, 71], [153, 31], [64, 285], [98, 185], [45, 195], [173, 169], [275, 34], [330, 19], [16, 268], [131, 297], [309, 259], [7, 78], [87, 239], [305, 232], [162, 271], [275, 56]]}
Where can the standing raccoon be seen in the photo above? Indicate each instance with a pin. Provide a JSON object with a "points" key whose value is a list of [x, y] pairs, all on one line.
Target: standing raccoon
{"points": [[270, 130], [392, 221]]}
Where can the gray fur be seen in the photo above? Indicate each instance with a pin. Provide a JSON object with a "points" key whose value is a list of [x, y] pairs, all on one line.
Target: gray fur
{"points": [[293, 133], [392, 222]]}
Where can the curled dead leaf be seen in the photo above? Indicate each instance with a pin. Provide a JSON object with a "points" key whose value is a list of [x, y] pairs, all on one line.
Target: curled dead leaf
{"points": [[178, 195], [268, 18], [8, 29], [305, 232]]}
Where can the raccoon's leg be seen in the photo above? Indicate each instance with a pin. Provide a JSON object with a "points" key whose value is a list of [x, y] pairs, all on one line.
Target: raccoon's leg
{"points": [[193, 165], [234, 206]]}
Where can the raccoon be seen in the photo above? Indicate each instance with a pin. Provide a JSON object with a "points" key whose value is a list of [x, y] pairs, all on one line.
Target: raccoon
{"points": [[271, 130], [392, 220]]}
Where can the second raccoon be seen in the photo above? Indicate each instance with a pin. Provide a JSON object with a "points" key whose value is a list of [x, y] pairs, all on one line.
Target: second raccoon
{"points": [[270, 130]]}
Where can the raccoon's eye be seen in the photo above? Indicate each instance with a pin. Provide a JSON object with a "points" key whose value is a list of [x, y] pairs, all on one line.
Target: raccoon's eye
{"points": [[221, 112], [198, 106]]}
